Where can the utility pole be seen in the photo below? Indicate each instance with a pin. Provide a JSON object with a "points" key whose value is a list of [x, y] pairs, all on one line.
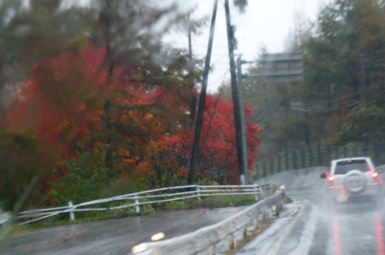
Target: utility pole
{"points": [[243, 118], [235, 95], [193, 97], [202, 100]]}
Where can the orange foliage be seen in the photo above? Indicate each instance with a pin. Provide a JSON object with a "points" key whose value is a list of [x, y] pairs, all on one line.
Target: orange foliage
{"points": [[151, 132], [56, 103]]}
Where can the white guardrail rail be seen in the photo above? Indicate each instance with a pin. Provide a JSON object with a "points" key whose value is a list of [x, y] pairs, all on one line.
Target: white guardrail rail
{"points": [[207, 238], [4, 217], [156, 196]]}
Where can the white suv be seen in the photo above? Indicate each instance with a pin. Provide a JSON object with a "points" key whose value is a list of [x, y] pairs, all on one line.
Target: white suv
{"points": [[352, 179]]}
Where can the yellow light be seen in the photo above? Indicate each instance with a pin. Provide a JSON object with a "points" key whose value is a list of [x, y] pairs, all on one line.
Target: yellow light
{"points": [[139, 248], [157, 237]]}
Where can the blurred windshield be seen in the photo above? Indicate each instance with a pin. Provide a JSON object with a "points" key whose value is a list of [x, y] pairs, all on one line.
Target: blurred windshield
{"points": [[102, 101]]}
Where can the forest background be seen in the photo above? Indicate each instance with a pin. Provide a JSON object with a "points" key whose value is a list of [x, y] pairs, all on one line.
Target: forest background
{"points": [[94, 105]]}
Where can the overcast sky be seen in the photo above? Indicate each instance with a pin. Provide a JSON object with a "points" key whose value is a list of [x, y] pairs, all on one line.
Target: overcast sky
{"points": [[266, 23]]}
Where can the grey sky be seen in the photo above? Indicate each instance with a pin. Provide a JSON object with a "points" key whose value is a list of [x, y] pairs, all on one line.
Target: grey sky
{"points": [[265, 23]]}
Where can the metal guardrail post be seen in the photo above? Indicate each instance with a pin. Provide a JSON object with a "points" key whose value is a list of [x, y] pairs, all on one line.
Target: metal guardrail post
{"points": [[198, 193], [137, 207], [256, 193], [244, 233], [212, 250], [231, 242], [72, 214]]}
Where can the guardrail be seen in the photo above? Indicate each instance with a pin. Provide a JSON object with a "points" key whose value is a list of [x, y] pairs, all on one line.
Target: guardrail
{"points": [[4, 217], [206, 239], [306, 157], [136, 200]]}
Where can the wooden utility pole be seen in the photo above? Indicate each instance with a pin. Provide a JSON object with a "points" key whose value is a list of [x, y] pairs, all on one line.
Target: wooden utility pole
{"points": [[202, 100], [235, 94], [243, 119], [190, 55]]}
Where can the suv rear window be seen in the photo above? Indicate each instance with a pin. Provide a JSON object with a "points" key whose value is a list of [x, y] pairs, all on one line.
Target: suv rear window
{"points": [[343, 167]]}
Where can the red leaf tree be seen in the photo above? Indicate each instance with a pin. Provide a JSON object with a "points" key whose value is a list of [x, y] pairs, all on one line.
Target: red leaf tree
{"points": [[168, 157]]}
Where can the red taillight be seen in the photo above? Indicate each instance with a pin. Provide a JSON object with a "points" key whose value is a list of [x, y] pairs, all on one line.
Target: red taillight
{"points": [[330, 178], [375, 175]]}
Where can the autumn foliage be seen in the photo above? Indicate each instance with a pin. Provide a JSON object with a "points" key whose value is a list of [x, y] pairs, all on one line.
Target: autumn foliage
{"points": [[62, 108], [55, 104], [170, 155]]}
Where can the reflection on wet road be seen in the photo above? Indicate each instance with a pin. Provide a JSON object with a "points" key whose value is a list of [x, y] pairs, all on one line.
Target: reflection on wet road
{"points": [[357, 229], [352, 229], [115, 236], [304, 227]]}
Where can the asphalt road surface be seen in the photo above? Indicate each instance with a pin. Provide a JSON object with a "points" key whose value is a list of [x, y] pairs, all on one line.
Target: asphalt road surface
{"points": [[304, 227], [307, 227], [115, 236]]}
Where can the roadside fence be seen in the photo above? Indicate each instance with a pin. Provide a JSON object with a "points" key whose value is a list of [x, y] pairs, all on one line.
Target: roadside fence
{"points": [[223, 236], [306, 157], [140, 199]]}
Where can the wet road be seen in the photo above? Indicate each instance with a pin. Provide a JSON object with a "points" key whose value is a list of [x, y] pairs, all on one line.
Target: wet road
{"points": [[116, 236], [306, 227]]}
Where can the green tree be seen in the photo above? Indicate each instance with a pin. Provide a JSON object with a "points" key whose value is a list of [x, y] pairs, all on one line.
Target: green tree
{"points": [[343, 81], [345, 59]]}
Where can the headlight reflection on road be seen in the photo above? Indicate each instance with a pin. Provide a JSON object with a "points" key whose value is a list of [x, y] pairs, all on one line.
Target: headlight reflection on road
{"points": [[157, 237], [139, 248], [142, 247]]}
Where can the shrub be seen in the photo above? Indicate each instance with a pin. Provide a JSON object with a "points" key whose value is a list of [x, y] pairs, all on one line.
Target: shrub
{"points": [[86, 178]]}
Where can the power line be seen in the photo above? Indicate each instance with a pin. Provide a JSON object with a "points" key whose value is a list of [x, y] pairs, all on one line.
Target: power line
{"points": [[272, 118], [221, 77]]}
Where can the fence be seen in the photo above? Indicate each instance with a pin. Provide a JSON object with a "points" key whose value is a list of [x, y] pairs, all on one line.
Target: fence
{"points": [[317, 156], [4, 217], [140, 199], [244, 222]]}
